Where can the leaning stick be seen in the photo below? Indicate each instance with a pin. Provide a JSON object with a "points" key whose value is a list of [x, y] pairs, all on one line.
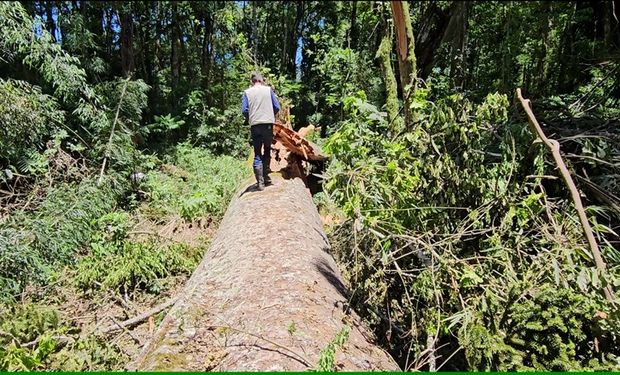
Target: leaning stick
{"points": [[554, 147], [109, 145]]}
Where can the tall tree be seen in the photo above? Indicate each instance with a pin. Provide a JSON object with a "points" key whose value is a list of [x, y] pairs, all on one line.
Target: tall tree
{"points": [[406, 54], [127, 52], [175, 59]]}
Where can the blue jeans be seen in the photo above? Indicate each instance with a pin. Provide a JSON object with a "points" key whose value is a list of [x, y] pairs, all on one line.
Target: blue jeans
{"points": [[262, 136]]}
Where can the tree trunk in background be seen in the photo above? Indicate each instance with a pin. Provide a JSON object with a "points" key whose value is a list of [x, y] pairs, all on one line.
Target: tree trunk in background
{"points": [[207, 47], [267, 295], [562, 81], [285, 37], [254, 30], [175, 61], [293, 40], [459, 40], [109, 33], [430, 35], [51, 25], [127, 58], [353, 30], [391, 102], [505, 55], [543, 62], [607, 23], [405, 47]]}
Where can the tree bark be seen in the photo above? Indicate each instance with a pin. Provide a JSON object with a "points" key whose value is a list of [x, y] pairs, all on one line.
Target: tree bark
{"points": [[127, 57], [353, 30], [434, 24], [267, 296], [405, 44], [391, 101], [175, 61], [459, 40], [293, 40]]}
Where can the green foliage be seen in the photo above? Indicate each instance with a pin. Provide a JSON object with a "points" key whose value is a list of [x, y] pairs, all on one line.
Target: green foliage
{"points": [[165, 124], [221, 132], [199, 185], [445, 228], [128, 265], [327, 357], [28, 117], [33, 337], [32, 242], [17, 40], [115, 262]]}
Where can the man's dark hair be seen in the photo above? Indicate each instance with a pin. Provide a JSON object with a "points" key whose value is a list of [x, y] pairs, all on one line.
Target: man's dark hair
{"points": [[257, 77]]}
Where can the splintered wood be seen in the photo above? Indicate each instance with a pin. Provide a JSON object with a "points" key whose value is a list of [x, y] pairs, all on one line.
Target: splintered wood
{"points": [[290, 149], [297, 144]]}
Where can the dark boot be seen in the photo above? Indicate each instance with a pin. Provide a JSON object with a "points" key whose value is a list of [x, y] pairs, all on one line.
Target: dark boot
{"points": [[266, 162], [260, 179], [266, 177]]}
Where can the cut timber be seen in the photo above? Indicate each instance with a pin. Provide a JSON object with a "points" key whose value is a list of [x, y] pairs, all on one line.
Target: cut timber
{"points": [[266, 296], [297, 144]]}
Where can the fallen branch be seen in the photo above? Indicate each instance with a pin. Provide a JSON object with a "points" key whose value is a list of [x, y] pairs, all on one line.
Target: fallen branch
{"points": [[554, 147], [60, 341], [138, 319], [135, 339]]}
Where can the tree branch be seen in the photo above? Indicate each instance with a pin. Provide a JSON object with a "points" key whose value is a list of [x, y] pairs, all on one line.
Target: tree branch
{"points": [[554, 147]]}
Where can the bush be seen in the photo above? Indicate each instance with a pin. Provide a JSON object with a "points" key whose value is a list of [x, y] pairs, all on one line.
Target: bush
{"points": [[134, 265], [199, 184], [31, 243], [447, 236], [115, 262], [35, 338]]}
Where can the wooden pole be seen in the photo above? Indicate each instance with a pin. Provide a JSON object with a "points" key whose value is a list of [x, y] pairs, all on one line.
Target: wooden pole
{"points": [[554, 147]]}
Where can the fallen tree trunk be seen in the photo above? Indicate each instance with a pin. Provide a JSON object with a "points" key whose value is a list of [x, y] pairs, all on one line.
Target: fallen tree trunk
{"points": [[267, 296]]}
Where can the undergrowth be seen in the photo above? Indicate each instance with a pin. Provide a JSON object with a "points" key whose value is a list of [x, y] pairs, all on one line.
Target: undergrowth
{"points": [[197, 184], [34, 337], [77, 235], [114, 262], [33, 242], [460, 249]]}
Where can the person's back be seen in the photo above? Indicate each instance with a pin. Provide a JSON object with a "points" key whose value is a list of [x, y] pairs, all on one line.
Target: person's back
{"points": [[260, 105]]}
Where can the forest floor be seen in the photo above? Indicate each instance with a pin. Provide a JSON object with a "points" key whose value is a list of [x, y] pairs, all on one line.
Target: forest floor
{"points": [[126, 259], [91, 311], [277, 286]]}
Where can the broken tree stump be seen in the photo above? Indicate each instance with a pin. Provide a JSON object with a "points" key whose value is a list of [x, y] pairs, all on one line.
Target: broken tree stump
{"points": [[267, 296]]}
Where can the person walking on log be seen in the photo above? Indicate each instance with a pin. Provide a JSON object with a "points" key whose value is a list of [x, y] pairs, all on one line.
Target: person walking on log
{"points": [[259, 105]]}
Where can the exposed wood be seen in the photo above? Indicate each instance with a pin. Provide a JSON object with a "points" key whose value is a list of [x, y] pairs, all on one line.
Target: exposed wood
{"points": [[554, 147], [405, 44], [406, 55], [297, 144]]}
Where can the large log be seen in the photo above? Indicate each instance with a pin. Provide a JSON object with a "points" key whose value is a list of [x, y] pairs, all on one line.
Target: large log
{"points": [[267, 296]]}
